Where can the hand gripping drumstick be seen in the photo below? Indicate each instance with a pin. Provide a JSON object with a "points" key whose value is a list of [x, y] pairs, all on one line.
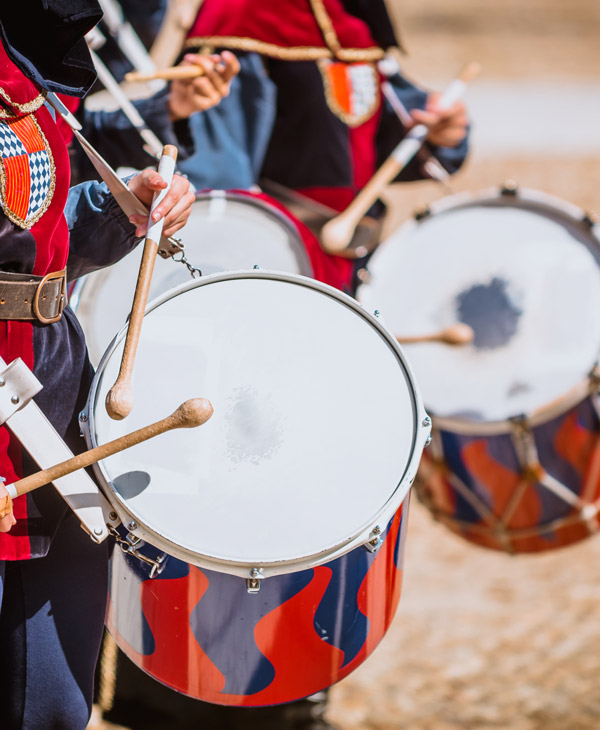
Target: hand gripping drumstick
{"points": [[119, 400], [190, 414], [457, 334], [337, 234]]}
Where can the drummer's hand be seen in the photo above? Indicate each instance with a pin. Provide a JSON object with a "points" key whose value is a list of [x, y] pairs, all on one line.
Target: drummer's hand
{"points": [[187, 96], [6, 522], [175, 208], [447, 127]]}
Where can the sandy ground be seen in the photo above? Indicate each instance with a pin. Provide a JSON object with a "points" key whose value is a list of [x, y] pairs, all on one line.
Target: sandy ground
{"points": [[482, 640]]}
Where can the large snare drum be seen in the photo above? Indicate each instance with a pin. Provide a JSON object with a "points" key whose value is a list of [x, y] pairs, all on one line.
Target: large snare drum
{"points": [[226, 231], [515, 459], [275, 532]]}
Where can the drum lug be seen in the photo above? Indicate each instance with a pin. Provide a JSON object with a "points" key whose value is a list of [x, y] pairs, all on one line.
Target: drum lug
{"points": [[375, 541], [422, 212], [426, 423], [509, 188], [253, 584]]}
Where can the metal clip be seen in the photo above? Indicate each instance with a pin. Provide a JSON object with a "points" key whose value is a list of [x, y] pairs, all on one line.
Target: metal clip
{"points": [[169, 247], [253, 583], [129, 546], [375, 541]]}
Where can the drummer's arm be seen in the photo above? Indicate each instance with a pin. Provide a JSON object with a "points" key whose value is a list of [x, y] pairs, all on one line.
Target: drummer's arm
{"points": [[165, 114], [101, 234], [448, 141]]}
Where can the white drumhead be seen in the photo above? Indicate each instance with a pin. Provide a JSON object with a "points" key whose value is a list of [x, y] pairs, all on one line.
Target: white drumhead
{"points": [[225, 232], [523, 273], [314, 425]]}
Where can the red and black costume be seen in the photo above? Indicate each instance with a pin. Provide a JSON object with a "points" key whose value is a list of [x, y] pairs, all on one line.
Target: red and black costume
{"points": [[53, 579], [332, 129]]}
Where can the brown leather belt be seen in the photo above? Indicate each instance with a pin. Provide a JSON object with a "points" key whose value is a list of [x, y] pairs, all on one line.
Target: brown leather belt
{"points": [[33, 298]]}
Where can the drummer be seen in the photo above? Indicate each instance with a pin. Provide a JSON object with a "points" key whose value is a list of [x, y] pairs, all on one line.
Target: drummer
{"points": [[320, 144], [52, 577]]}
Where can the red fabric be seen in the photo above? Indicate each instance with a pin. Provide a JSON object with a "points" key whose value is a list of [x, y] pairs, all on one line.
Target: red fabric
{"points": [[52, 243], [285, 23], [332, 270]]}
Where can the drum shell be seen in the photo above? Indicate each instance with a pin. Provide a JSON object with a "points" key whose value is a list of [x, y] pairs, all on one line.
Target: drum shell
{"points": [[499, 491], [201, 633]]}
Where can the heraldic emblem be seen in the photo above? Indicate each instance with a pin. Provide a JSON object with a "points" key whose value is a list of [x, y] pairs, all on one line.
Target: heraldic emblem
{"points": [[26, 171], [351, 90]]}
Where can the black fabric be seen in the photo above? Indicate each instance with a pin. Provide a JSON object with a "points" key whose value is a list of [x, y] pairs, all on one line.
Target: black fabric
{"points": [[375, 15], [45, 39], [51, 620], [309, 144]]}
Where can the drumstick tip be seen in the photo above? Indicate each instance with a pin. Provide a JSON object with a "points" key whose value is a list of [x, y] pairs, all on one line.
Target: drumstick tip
{"points": [[119, 401], [193, 412], [169, 150], [470, 71]]}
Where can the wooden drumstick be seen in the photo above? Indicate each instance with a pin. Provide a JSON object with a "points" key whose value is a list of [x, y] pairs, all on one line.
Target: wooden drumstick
{"points": [[337, 234], [190, 414], [174, 73], [457, 334], [119, 400]]}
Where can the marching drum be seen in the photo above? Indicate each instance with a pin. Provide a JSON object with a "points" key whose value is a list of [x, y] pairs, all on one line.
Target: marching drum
{"points": [[515, 459], [226, 231], [262, 554]]}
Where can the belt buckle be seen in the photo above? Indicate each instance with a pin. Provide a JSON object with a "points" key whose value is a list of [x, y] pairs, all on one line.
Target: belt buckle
{"points": [[62, 275]]}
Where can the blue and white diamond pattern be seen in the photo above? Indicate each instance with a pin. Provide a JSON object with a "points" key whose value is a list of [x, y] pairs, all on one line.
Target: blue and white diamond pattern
{"points": [[10, 144], [41, 177]]}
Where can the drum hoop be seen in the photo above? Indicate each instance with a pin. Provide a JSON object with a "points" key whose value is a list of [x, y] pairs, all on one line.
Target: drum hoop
{"points": [[420, 436], [498, 196], [269, 209], [539, 417]]}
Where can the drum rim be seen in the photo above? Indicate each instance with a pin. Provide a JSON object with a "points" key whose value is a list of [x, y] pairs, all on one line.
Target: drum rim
{"points": [[420, 439], [531, 198], [247, 197]]}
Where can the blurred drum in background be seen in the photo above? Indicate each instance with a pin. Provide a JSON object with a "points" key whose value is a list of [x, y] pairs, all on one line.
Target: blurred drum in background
{"points": [[227, 231], [262, 560], [515, 459]]}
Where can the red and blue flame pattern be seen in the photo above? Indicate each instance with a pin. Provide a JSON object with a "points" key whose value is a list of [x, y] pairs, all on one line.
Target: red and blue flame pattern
{"points": [[490, 471], [199, 631]]}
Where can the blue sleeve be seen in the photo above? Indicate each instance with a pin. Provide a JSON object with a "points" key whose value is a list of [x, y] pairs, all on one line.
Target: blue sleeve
{"points": [[100, 233], [391, 133], [113, 135]]}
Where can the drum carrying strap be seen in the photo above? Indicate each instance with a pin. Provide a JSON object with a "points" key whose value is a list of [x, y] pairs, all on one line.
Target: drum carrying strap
{"points": [[127, 201], [26, 421]]}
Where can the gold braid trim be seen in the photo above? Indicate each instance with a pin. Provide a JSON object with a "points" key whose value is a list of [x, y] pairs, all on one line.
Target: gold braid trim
{"points": [[27, 224], [299, 53], [326, 26], [28, 108]]}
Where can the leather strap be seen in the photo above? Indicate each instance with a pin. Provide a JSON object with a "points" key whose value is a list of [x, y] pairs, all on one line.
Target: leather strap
{"points": [[32, 298]]}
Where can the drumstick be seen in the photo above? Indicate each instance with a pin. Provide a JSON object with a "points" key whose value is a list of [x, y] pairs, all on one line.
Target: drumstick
{"points": [[457, 334], [337, 234], [168, 74], [190, 414], [119, 400]]}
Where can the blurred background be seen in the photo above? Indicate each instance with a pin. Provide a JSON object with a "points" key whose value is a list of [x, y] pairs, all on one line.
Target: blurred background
{"points": [[484, 640]]}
